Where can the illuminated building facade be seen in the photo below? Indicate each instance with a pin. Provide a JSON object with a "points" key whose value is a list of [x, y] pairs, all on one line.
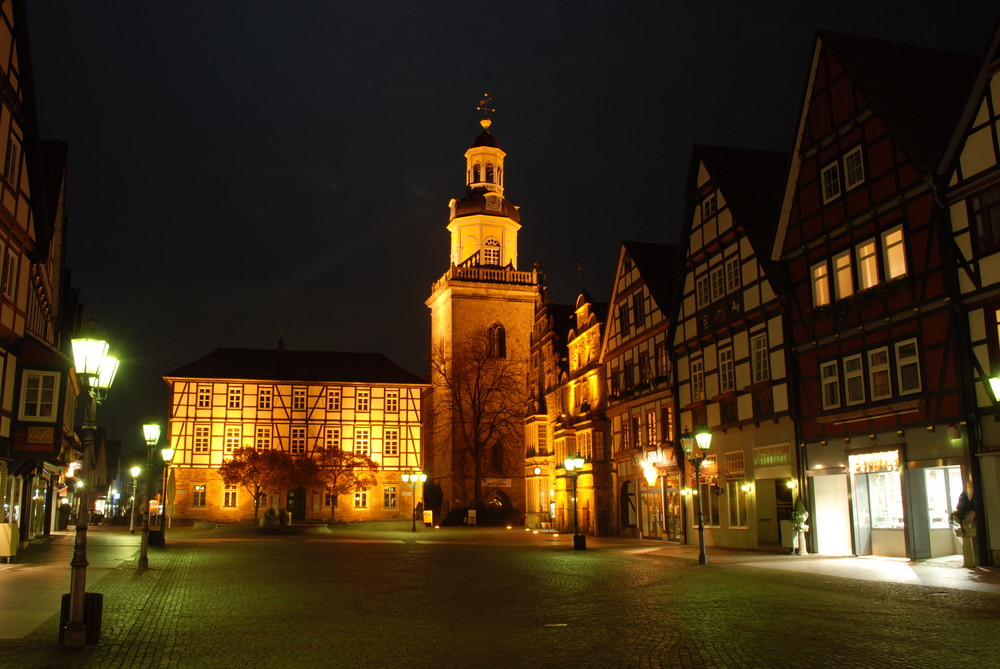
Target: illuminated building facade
{"points": [[481, 292], [874, 333], [640, 396], [729, 344], [297, 402]]}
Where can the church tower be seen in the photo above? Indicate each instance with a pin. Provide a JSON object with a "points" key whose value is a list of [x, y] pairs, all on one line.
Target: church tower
{"points": [[482, 296]]}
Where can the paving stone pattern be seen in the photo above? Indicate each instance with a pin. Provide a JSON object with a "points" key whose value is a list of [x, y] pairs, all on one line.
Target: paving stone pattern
{"points": [[301, 601]]}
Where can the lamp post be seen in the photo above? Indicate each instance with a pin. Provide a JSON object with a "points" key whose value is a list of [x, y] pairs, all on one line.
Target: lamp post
{"points": [[167, 454], [413, 478], [96, 371], [151, 433], [704, 441], [573, 466], [135, 482]]}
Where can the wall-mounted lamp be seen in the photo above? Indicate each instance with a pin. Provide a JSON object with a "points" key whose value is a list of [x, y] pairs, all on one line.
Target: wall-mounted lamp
{"points": [[792, 484], [954, 432], [746, 487], [930, 428]]}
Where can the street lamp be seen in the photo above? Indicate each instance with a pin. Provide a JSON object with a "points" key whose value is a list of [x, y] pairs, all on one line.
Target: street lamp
{"points": [[96, 371], [573, 466], [167, 454], [151, 433], [704, 441], [413, 478], [135, 483]]}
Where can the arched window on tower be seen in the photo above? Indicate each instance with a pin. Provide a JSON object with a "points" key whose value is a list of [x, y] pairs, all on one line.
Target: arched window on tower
{"points": [[489, 172], [491, 252], [498, 341], [475, 173]]}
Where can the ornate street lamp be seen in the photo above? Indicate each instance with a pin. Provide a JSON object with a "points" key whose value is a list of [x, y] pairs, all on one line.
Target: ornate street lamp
{"points": [[151, 434], [704, 441], [135, 483], [96, 371], [573, 466], [413, 478]]}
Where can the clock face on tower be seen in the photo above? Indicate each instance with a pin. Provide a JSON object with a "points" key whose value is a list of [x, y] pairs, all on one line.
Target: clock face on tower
{"points": [[493, 203]]}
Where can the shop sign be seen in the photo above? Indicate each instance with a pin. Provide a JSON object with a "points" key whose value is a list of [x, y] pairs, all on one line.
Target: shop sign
{"points": [[496, 483], [865, 463]]}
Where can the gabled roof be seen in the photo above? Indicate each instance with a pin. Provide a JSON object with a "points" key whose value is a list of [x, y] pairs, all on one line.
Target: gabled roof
{"points": [[918, 92], [284, 365], [657, 263]]}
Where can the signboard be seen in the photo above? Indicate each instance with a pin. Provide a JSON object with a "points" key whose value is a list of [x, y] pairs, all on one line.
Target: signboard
{"points": [[496, 483], [428, 517]]}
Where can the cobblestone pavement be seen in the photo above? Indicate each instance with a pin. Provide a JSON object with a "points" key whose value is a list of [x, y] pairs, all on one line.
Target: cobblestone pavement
{"points": [[413, 600]]}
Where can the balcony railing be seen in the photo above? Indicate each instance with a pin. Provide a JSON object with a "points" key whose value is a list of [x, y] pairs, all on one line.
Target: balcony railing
{"points": [[486, 274]]}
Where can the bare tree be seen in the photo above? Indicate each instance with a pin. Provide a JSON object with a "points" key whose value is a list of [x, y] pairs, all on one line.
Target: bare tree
{"points": [[342, 471], [262, 472], [480, 392]]}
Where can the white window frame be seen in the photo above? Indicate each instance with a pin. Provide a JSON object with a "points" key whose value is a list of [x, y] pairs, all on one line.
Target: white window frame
{"points": [[389, 499], [262, 437], [894, 253], [843, 275], [202, 439], [204, 397], [867, 258], [703, 291], [911, 360], [234, 397], [360, 499], [234, 438], [854, 370], [761, 357], [265, 398], [297, 440], [830, 182], [362, 400], [390, 441], [229, 495], [299, 395], [733, 278], [362, 441], [697, 380], [392, 401], [718, 276], [820, 278], [333, 399], [43, 399], [878, 368], [199, 495], [331, 437], [829, 377], [727, 370], [854, 169]]}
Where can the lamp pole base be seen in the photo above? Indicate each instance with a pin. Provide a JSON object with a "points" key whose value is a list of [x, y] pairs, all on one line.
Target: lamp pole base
{"points": [[579, 542]]}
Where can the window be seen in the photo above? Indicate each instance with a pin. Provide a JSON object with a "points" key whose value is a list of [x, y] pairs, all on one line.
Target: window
{"points": [[298, 399], [666, 426], [233, 438], [718, 282], [389, 497], [333, 399], [263, 438], [732, 274], [760, 361], [198, 497], [639, 310], [662, 361], [907, 367], [895, 253], [727, 371], [854, 379], [635, 430], [830, 177], [614, 381], [264, 396], [204, 397], [885, 495], [644, 367], [737, 497], [362, 441], [709, 205], [202, 438], [360, 499], [235, 397], [821, 284], [331, 437], [12, 160], [843, 281], [40, 395], [703, 291], [830, 380], [629, 378], [867, 265], [498, 341], [651, 428], [697, 380], [986, 214], [491, 252], [10, 275], [623, 319], [297, 443], [362, 400], [392, 401], [229, 496], [878, 373], [390, 441], [626, 433], [854, 169]]}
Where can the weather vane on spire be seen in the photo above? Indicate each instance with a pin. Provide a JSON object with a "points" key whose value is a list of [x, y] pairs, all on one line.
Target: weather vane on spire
{"points": [[484, 106]]}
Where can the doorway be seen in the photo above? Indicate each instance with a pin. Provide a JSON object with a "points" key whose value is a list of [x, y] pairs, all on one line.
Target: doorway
{"points": [[296, 503]]}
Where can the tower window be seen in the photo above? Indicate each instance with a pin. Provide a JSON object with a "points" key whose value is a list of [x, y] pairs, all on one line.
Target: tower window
{"points": [[475, 173], [498, 341], [491, 252], [489, 172]]}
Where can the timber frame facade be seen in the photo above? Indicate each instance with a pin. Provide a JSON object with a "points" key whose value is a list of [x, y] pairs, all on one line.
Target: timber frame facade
{"points": [[297, 402]]}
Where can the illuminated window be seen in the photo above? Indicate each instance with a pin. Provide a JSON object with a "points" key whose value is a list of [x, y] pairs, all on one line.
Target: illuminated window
{"points": [[360, 499], [830, 380], [233, 438], [986, 215], [821, 284], [651, 428], [727, 371], [235, 397], [697, 380], [392, 401], [229, 496], [830, 177], [297, 443], [263, 437], [854, 379], [333, 399], [867, 265], [854, 169], [264, 396], [843, 279], [895, 253], [907, 367], [39, 395], [885, 498], [760, 362], [362, 441], [389, 497], [390, 441], [331, 437], [298, 399], [491, 252], [204, 397], [626, 436], [202, 438], [199, 496], [878, 373], [362, 400], [732, 274]]}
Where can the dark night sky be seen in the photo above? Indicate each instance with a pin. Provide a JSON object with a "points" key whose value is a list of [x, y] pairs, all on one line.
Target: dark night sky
{"points": [[245, 170]]}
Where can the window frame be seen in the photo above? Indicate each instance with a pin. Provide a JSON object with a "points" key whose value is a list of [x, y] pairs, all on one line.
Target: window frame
{"points": [[234, 397], [299, 398], [843, 275], [897, 249], [858, 375], [850, 182], [703, 291], [830, 188], [361, 498], [40, 395], [233, 432], [265, 398], [362, 400], [390, 441], [879, 369], [263, 437], [201, 438], [868, 274], [909, 361], [199, 495], [362, 443], [734, 278], [392, 401], [297, 438], [332, 398], [697, 380], [828, 380], [821, 293], [229, 495], [760, 357], [727, 370], [203, 397]]}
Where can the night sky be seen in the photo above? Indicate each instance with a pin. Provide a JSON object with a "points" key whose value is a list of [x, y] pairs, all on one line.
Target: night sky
{"points": [[245, 170]]}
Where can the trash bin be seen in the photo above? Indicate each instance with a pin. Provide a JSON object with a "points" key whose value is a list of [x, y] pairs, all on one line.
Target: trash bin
{"points": [[93, 609]]}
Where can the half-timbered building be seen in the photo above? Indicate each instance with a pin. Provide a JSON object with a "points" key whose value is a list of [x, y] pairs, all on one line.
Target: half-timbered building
{"points": [[729, 344], [297, 402], [640, 407], [873, 331], [971, 172]]}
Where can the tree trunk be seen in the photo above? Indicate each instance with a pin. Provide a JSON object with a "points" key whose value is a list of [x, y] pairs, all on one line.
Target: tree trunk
{"points": [[333, 508]]}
